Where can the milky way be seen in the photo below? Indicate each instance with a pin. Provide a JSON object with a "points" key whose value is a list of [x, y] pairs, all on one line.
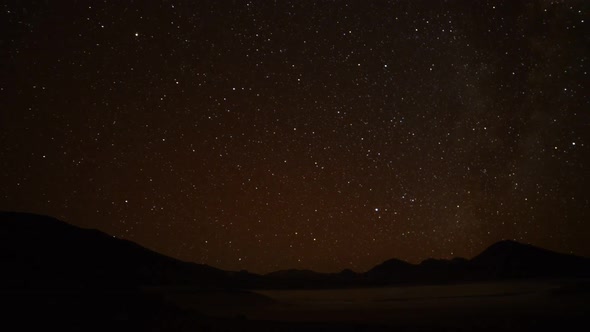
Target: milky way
{"points": [[266, 135]]}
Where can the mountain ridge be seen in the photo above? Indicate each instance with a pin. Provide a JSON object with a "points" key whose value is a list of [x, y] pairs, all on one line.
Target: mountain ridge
{"points": [[46, 245]]}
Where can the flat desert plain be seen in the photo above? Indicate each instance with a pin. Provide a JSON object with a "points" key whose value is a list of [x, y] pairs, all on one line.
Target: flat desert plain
{"points": [[478, 305], [536, 305]]}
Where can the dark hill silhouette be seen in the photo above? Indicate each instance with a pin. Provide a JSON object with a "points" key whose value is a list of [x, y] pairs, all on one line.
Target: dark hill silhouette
{"points": [[510, 259], [40, 252], [69, 278], [392, 271], [295, 273], [502, 260], [294, 279], [62, 277]]}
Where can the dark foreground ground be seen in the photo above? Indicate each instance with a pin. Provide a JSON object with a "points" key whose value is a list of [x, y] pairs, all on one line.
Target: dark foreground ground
{"points": [[517, 305], [539, 305]]}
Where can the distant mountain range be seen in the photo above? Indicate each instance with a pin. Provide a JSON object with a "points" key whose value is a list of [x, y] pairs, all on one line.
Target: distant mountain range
{"points": [[40, 252]]}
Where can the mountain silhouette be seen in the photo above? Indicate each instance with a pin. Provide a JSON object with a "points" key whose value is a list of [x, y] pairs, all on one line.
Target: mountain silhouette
{"points": [[39, 252], [502, 260], [70, 278], [510, 259], [392, 271], [296, 279], [62, 277]]}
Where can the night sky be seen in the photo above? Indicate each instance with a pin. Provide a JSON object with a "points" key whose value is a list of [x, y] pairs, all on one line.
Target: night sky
{"points": [[266, 135]]}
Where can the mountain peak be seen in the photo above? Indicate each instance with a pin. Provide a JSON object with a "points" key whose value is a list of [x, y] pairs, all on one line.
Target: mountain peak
{"points": [[513, 259], [508, 248], [395, 262], [392, 269], [509, 243]]}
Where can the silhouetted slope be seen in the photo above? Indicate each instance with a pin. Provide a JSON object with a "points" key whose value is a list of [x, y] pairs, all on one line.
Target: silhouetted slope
{"points": [[39, 251], [294, 278], [56, 276], [510, 259], [502, 260], [392, 271], [295, 273], [444, 270]]}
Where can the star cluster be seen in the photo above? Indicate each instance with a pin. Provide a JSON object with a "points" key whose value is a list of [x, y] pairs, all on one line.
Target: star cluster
{"points": [[266, 135]]}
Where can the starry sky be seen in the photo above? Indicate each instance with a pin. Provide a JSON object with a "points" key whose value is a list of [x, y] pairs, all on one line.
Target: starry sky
{"points": [[324, 135]]}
